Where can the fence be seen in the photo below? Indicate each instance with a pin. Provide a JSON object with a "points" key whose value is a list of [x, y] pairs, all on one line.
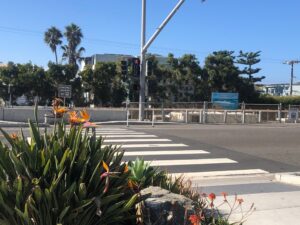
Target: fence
{"points": [[207, 113], [178, 112]]}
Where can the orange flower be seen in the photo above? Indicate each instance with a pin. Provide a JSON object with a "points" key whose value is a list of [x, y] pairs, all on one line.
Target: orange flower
{"points": [[84, 115], [240, 200], [13, 136], [75, 119], [133, 185], [106, 176], [126, 169], [195, 219], [212, 197], [59, 111], [56, 102]]}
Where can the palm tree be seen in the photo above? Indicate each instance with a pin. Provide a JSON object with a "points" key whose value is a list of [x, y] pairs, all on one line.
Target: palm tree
{"points": [[74, 35], [53, 37]]}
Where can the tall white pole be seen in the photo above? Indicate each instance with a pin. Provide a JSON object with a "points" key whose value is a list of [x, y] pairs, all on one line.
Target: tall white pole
{"points": [[144, 48], [143, 63]]}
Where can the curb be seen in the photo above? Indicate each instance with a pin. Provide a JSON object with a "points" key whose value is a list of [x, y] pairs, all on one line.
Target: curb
{"points": [[21, 125], [289, 178]]}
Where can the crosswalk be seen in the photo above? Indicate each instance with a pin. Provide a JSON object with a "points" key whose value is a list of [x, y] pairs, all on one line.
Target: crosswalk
{"points": [[176, 158]]}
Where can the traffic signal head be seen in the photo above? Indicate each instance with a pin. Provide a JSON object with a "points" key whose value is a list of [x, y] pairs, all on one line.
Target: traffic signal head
{"points": [[136, 67]]}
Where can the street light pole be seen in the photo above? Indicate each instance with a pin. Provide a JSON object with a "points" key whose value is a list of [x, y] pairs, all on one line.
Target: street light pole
{"points": [[142, 63], [292, 62], [144, 48]]}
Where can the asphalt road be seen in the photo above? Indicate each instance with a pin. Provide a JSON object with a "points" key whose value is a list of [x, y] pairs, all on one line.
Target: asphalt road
{"points": [[275, 142], [269, 147]]}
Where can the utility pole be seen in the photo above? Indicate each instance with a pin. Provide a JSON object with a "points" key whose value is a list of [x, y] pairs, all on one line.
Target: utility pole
{"points": [[291, 63], [144, 48]]}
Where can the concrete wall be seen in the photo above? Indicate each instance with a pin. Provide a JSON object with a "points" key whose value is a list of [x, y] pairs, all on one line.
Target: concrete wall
{"points": [[22, 114]]}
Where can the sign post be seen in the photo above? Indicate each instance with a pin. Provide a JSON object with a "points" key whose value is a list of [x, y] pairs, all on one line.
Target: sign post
{"points": [[293, 115], [65, 91]]}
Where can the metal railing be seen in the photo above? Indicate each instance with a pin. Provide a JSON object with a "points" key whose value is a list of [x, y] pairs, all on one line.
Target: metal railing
{"points": [[207, 113]]}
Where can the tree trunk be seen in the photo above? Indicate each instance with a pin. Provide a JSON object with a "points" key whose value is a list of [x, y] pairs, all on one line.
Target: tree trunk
{"points": [[55, 52]]}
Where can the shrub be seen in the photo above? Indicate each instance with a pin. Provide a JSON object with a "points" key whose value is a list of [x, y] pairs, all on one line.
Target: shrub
{"points": [[284, 100], [62, 178]]}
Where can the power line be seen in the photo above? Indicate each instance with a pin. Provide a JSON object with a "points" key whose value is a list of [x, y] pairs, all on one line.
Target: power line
{"points": [[120, 44]]}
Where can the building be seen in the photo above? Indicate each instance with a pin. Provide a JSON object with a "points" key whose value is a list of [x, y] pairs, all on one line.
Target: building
{"points": [[280, 89], [94, 59]]}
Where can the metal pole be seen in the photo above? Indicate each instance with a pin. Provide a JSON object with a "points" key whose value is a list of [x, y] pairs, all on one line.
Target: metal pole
{"points": [[144, 48], [186, 116], [164, 23], [291, 62], [292, 77], [9, 91], [127, 116], [152, 117], [279, 112], [143, 63]]}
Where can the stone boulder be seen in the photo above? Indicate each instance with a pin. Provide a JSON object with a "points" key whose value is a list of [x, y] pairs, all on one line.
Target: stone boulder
{"points": [[161, 207]]}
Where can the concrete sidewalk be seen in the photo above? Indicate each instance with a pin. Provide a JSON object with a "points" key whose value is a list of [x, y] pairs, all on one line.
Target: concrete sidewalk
{"points": [[275, 203]]}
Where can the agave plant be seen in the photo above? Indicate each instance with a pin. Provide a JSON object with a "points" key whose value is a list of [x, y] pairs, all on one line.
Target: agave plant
{"points": [[57, 178]]}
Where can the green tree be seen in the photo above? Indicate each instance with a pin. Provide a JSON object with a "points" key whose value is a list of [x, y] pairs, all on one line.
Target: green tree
{"points": [[249, 59], [187, 78], [26, 79], [52, 37], [71, 51], [66, 74], [99, 82], [223, 75], [118, 91]]}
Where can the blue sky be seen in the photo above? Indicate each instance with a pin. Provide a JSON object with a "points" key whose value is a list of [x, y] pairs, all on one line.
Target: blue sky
{"points": [[113, 26]]}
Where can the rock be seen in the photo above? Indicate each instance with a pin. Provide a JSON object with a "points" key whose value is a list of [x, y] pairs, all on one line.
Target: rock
{"points": [[161, 207]]}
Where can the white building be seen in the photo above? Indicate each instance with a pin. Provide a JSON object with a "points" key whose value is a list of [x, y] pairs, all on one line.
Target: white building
{"points": [[281, 89], [94, 59]]}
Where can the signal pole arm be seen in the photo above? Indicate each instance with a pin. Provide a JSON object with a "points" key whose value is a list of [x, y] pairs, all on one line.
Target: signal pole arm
{"points": [[164, 23], [144, 48]]}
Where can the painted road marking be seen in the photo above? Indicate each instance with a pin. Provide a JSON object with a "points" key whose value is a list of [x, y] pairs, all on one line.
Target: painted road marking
{"points": [[190, 162], [195, 175], [177, 152], [128, 136], [136, 140], [118, 132], [150, 145]]}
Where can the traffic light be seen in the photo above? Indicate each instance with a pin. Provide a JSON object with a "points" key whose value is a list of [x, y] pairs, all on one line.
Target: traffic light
{"points": [[136, 67], [124, 68]]}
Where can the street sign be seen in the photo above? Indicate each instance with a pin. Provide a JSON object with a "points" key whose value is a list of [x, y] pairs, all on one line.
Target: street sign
{"points": [[225, 100], [65, 91], [293, 114]]}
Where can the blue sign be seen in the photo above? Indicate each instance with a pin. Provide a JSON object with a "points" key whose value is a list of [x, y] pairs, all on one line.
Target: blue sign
{"points": [[225, 100]]}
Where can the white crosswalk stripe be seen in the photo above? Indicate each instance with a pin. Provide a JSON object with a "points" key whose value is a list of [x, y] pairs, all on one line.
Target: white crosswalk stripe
{"points": [[128, 136], [170, 156], [198, 175], [135, 140], [151, 145], [112, 132], [169, 152], [190, 162]]}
